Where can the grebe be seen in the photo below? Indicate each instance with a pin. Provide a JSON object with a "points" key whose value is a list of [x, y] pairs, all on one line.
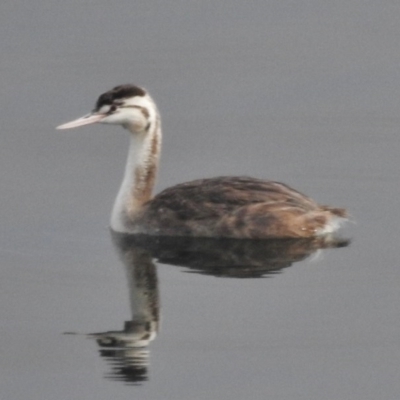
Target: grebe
{"points": [[235, 207]]}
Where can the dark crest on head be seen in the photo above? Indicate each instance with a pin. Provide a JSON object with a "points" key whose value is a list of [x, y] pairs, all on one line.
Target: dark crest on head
{"points": [[119, 93]]}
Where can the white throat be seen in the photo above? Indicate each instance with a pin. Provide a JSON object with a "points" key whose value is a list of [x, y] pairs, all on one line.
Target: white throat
{"points": [[139, 177]]}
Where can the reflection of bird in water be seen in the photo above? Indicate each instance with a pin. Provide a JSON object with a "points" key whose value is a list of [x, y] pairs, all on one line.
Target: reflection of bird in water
{"points": [[235, 207], [228, 257], [126, 351]]}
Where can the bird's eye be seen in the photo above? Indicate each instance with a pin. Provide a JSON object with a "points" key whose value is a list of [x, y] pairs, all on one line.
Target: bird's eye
{"points": [[113, 108]]}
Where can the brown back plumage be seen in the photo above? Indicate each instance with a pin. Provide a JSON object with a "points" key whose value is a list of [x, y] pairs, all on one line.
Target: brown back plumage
{"points": [[237, 207]]}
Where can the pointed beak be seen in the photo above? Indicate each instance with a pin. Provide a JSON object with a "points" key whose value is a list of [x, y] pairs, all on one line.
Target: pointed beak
{"points": [[85, 120]]}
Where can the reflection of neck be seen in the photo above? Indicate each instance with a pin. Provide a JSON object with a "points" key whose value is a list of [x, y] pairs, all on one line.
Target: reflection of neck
{"points": [[143, 290], [139, 177], [141, 273]]}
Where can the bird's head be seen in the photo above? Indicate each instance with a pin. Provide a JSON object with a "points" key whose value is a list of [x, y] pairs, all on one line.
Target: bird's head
{"points": [[126, 105]]}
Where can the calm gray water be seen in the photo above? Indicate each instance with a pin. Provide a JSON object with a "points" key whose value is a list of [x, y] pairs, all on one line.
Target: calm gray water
{"points": [[302, 92]]}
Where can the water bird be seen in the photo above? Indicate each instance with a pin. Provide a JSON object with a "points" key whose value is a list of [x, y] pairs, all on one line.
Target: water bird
{"points": [[223, 207]]}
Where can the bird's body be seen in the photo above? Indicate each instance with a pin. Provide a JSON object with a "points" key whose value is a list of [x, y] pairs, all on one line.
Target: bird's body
{"points": [[235, 207]]}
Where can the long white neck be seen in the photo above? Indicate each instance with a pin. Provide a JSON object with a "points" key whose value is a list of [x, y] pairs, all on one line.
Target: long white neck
{"points": [[139, 177]]}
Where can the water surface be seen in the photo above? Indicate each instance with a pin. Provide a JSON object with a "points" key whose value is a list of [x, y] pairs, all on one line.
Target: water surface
{"points": [[305, 93]]}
